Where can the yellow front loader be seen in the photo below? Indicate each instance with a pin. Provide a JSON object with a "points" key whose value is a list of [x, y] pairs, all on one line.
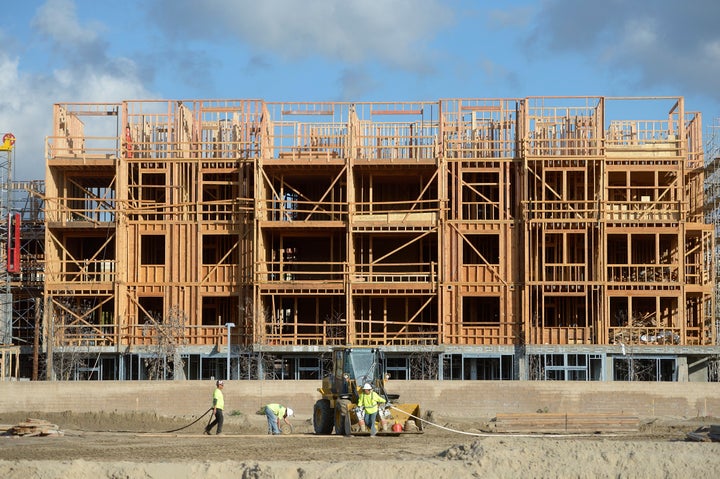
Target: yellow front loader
{"points": [[337, 409]]}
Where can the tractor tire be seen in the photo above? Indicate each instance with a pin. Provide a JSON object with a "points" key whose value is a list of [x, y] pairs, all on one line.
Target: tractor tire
{"points": [[342, 417], [322, 417]]}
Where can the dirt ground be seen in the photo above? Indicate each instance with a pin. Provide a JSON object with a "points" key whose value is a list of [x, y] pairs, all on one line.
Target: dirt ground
{"points": [[129, 446]]}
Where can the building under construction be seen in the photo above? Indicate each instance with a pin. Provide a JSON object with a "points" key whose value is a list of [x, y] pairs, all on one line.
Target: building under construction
{"points": [[558, 238]]}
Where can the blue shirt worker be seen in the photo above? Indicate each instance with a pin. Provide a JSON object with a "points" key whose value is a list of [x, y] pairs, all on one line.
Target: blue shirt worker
{"points": [[218, 404], [369, 401], [274, 412]]}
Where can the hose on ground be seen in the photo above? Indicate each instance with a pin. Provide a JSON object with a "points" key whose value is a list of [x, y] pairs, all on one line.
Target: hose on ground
{"points": [[483, 434], [185, 427]]}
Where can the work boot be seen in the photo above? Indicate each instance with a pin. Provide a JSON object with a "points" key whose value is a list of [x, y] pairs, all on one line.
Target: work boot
{"points": [[206, 432]]}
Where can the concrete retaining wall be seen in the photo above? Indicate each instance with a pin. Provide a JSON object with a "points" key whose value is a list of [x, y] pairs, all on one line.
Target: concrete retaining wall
{"points": [[482, 399]]}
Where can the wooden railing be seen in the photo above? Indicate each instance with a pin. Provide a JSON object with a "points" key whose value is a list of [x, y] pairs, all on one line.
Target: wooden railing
{"points": [[303, 334], [148, 334], [627, 133], [284, 271], [291, 140], [395, 272], [480, 333], [642, 211], [296, 210], [81, 272], [69, 210], [398, 141], [82, 147], [564, 273], [639, 335], [85, 335], [561, 210], [561, 335], [643, 273]]}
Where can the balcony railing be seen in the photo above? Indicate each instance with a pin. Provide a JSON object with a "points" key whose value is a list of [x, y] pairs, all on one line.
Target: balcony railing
{"points": [[639, 335], [481, 332], [568, 210], [81, 272], [151, 335], [561, 335], [83, 147], [398, 142], [301, 271], [396, 273], [295, 210], [643, 273], [69, 210], [644, 210], [564, 273]]}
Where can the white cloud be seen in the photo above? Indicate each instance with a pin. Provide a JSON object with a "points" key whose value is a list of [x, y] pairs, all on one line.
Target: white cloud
{"points": [[392, 32], [25, 113], [57, 19], [712, 51], [640, 34], [673, 45], [27, 97], [27, 106]]}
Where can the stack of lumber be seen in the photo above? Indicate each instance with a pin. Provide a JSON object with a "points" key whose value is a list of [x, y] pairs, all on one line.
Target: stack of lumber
{"points": [[34, 427], [565, 423], [705, 434]]}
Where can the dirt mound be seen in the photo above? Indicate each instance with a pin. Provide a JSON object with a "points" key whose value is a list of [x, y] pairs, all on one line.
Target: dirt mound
{"points": [[134, 445], [465, 452]]}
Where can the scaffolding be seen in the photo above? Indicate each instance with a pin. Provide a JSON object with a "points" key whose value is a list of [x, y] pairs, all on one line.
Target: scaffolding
{"points": [[712, 198], [7, 350]]}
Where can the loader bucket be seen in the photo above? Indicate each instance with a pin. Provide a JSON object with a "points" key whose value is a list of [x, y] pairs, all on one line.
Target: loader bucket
{"points": [[408, 415]]}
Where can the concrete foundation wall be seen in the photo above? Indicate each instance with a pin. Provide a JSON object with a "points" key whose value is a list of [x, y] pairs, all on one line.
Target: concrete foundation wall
{"points": [[482, 399]]}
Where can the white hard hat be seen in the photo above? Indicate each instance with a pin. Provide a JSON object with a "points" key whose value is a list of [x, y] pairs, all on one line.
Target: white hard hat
{"points": [[367, 386], [290, 412]]}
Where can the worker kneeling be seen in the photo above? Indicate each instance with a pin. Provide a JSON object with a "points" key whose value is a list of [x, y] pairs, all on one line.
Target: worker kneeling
{"points": [[274, 412], [369, 401]]}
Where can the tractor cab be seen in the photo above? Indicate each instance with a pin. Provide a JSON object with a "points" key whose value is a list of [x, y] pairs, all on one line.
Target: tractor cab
{"points": [[353, 367]]}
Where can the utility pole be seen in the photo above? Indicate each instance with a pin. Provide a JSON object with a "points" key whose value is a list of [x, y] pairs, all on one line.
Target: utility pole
{"points": [[229, 326]]}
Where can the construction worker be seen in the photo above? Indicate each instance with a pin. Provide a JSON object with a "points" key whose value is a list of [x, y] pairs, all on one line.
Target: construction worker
{"points": [[218, 404], [274, 412], [369, 401]]}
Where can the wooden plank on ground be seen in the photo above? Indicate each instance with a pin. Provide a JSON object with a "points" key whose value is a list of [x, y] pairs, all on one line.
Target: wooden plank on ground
{"points": [[566, 423], [34, 427]]}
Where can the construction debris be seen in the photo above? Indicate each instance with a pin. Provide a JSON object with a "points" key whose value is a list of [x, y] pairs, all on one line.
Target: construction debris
{"points": [[34, 427], [705, 434]]}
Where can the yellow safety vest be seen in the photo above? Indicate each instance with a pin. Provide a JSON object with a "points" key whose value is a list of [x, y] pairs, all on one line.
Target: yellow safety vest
{"points": [[277, 409], [370, 401], [218, 400]]}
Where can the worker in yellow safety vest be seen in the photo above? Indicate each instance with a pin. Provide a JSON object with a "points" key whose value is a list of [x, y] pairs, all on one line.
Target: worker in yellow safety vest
{"points": [[217, 406], [369, 401], [274, 412]]}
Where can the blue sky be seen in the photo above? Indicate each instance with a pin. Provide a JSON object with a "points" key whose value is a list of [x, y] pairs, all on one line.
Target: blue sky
{"points": [[356, 50]]}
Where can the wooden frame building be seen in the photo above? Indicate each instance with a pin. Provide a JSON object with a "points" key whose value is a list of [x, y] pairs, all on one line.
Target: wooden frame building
{"points": [[529, 238]]}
